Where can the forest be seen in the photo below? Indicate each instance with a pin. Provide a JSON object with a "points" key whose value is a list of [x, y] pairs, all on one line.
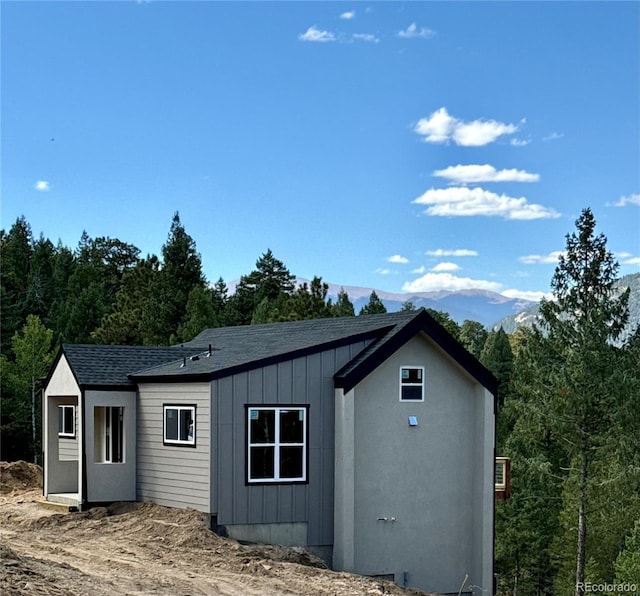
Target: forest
{"points": [[568, 400]]}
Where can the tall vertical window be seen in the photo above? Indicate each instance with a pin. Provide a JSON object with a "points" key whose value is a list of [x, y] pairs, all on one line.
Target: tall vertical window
{"points": [[179, 425], [412, 383], [108, 424], [277, 444], [67, 421]]}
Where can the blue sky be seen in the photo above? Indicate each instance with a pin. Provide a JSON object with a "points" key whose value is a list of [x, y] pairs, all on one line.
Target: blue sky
{"points": [[413, 146]]}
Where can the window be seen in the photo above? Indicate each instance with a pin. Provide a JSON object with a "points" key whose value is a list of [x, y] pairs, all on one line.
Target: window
{"points": [[108, 424], [277, 444], [503, 478], [179, 425], [67, 421], [412, 383]]}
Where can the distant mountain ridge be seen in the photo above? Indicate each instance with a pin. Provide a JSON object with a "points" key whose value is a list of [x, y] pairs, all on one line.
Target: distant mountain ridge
{"points": [[476, 305], [491, 309], [528, 315]]}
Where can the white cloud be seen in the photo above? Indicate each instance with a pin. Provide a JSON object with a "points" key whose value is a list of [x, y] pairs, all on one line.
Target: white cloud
{"points": [[526, 295], [462, 201], [632, 261], [441, 127], [347, 16], [419, 270], [456, 252], [519, 142], [432, 282], [633, 199], [464, 174], [383, 271], [445, 267], [550, 259], [397, 259], [368, 37], [314, 34], [42, 186], [553, 136], [412, 32]]}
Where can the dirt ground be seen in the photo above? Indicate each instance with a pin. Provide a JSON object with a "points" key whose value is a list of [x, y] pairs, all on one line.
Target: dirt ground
{"points": [[142, 548]]}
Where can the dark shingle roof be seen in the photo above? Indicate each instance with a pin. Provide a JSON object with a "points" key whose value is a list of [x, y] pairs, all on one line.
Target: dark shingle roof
{"points": [[228, 350], [241, 348], [100, 365]]}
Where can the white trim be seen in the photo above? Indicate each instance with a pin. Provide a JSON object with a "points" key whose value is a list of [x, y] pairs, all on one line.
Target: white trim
{"points": [[277, 444], [178, 441], [61, 416], [407, 384]]}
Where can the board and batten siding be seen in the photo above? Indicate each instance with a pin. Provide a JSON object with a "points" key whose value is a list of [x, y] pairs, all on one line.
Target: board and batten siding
{"points": [[307, 380], [173, 475]]}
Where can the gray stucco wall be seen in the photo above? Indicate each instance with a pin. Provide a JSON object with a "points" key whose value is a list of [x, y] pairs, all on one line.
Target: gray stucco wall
{"points": [[111, 481], [171, 475], [427, 481], [303, 381]]}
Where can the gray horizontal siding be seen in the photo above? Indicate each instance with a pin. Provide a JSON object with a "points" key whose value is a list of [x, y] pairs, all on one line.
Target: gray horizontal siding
{"points": [[171, 475], [308, 381]]}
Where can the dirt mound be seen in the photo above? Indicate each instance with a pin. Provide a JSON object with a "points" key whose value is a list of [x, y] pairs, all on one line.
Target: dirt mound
{"points": [[144, 548], [19, 475]]}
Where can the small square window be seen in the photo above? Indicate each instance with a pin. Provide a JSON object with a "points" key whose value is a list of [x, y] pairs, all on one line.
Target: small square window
{"points": [[67, 421], [179, 425], [412, 383]]}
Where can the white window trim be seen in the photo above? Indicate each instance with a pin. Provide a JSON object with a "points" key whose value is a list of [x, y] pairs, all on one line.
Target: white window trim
{"points": [[401, 384], [276, 445], [178, 407], [65, 432]]}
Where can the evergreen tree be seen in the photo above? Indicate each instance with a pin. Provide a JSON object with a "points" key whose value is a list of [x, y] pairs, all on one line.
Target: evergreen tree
{"points": [[374, 306], [343, 306], [473, 336], [181, 272], [16, 249], [573, 379], [408, 306], [446, 321], [309, 301], [270, 281], [124, 325]]}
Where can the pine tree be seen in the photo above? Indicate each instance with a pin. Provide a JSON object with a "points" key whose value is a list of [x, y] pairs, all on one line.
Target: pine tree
{"points": [[573, 378], [473, 336], [375, 306], [343, 306]]}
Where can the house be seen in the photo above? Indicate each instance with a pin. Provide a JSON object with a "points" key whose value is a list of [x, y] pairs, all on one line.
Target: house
{"points": [[369, 440]]}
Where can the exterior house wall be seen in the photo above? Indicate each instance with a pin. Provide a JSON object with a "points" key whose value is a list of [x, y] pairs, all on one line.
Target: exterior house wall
{"points": [[418, 489], [172, 475], [62, 470], [110, 481], [292, 514]]}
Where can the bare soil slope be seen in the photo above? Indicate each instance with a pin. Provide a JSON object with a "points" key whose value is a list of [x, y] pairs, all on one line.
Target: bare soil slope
{"points": [[142, 548]]}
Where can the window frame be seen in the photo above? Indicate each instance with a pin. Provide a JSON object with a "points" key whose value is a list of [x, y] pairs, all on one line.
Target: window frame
{"points": [[277, 444], [64, 433], [178, 442], [420, 384]]}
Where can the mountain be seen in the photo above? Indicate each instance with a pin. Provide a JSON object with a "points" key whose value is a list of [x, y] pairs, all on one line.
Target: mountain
{"points": [[528, 315], [475, 305]]}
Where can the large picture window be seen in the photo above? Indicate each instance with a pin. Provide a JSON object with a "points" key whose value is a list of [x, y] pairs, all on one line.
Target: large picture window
{"points": [[411, 383], [67, 421], [277, 444], [179, 425]]}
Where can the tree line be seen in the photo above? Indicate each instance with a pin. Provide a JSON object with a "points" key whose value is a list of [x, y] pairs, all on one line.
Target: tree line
{"points": [[568, 399]]}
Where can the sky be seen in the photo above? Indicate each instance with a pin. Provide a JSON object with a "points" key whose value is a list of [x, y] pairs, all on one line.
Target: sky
{"points": [[402, 146]]}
